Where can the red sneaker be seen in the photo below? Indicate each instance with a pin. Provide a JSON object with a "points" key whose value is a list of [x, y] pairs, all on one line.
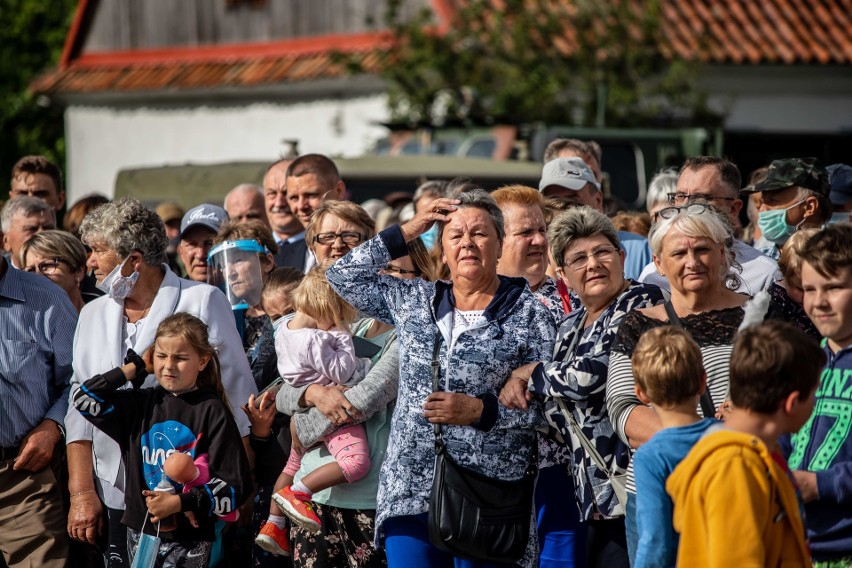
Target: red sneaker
{"points": [[273, 540], [301, 512]]}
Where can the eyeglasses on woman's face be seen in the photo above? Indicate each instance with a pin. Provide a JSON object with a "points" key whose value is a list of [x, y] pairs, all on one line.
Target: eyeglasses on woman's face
{"points": [[48, 266], [392, 270], [602, 255], [669, 212], [690, 198], [348, 237]]}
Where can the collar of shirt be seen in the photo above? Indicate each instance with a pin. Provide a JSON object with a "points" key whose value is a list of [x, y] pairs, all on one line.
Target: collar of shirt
{"points": [[290, 240]]}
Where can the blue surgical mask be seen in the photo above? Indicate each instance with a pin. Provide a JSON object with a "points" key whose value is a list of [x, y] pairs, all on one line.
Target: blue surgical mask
{"points": [[430, 236], [115, 285], [146, 552], [840, 217], [773, 224]]}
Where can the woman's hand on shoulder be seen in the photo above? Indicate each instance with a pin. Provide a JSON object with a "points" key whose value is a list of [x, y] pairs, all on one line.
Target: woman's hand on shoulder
{"points": [[515, 393], [452, 408], [438, 210]]}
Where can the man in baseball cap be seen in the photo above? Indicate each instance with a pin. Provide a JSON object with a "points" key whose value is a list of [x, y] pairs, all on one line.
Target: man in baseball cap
{"points": [[197, 229], [570, 178], [795, 195]]}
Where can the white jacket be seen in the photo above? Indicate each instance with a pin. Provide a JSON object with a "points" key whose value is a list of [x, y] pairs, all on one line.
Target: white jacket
{"points": [[98, 347]]}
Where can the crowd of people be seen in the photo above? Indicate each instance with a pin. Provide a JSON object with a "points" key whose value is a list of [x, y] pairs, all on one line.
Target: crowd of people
{"points": [[270, 382]]}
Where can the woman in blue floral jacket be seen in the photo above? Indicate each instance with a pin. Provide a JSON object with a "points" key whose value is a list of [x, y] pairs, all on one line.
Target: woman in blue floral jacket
{"points": [[586, 249], [488, 324]]}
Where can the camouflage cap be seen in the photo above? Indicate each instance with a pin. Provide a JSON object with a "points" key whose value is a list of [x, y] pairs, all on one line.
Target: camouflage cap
{"points": [[793, 172]]}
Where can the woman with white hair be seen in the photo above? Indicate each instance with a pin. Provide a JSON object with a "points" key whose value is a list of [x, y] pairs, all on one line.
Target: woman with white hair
{"points": [[692, 248]]}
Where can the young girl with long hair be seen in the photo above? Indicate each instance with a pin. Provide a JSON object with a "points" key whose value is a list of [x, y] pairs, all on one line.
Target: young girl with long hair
{"points": [[187, 412]]}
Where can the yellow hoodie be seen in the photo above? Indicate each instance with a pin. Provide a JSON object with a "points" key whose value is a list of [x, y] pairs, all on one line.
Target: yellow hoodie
{"points": [[735, 507]]}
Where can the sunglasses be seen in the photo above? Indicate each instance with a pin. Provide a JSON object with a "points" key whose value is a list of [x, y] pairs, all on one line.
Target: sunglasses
{"points": [[694, 208], [391, 269]]}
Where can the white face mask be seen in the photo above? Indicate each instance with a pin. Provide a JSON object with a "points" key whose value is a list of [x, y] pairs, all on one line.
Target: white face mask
{"points": [[115, 285]]}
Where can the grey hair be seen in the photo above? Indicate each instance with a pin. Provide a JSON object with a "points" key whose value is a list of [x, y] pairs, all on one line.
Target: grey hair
{"points": [[437, 188], [578, 223], [825, 208], [245, 188], [662, 184], [25, 206], [479, 199], [712, 225], [56, 244], [125, 226]]}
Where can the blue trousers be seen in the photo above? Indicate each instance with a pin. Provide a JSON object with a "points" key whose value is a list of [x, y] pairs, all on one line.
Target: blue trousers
{"points": [[561, 534], [407, 545]]}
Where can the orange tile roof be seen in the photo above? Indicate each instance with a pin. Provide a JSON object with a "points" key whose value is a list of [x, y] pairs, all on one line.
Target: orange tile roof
{"points": [[740, 32]]}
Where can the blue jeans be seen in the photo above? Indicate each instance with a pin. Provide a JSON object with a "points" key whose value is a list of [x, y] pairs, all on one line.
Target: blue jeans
{"points": [[407, 545], [561, 534], [630, 527]]}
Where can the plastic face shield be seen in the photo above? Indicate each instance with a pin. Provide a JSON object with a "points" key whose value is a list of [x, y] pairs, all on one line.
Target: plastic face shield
{"points": [[234, 268]]}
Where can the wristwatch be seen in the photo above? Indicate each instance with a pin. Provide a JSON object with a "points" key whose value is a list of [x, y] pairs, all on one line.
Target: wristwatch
{"points": [[141, 370]]}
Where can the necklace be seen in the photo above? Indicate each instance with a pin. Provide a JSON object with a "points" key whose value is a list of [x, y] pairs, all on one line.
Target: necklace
{"points": [[145, 311]]}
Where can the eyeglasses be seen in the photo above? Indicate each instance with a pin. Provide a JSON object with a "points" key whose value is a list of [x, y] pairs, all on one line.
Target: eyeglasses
{"points": [[391, 269], [350, 238], [681, 198], [48, 266], [602, 255], [669, 212]]}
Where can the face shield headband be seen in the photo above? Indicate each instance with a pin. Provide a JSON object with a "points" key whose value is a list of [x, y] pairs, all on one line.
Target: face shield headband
{"points": [[234, 268]]}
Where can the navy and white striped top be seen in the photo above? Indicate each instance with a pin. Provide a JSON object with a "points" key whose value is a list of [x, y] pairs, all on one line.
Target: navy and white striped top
{"points": [[37, 322]]}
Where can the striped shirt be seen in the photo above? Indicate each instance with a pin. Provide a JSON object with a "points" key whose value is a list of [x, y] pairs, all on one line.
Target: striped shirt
{"points": [[37, 322], [714, 333]]}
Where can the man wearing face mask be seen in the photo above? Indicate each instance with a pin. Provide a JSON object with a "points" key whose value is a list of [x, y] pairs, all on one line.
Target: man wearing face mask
{"points": [[795, 196]]}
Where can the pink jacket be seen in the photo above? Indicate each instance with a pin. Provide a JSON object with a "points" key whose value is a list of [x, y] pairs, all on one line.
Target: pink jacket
{"points": [[313, 356]]}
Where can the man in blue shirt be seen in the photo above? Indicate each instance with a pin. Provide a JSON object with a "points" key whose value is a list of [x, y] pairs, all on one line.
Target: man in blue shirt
{"points": [[37, 322]]}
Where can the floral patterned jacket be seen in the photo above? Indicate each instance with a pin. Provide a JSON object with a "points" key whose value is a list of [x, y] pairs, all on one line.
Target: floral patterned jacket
{"points": [[519, 330], [577, 375]]}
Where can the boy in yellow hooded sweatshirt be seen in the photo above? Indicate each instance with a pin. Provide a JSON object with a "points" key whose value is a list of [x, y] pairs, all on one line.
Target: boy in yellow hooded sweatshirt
{"points": [[735, 502]]}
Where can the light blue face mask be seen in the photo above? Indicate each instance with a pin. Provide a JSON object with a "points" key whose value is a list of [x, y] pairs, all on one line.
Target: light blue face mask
{"points": [[430, 236], [773, 224], [148, 548], [840, 217]]}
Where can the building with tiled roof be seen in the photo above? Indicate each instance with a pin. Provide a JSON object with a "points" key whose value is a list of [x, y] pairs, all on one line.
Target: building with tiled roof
{"points": [[149, 83]]}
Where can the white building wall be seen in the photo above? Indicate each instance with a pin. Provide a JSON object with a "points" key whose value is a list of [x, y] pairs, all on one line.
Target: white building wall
{"points": [[102, 140]]}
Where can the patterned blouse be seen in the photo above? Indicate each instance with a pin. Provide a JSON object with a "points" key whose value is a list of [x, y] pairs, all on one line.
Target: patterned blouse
{"points": [[578, 376]]}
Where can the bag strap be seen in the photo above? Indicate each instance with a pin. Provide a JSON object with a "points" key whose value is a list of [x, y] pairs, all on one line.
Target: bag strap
{"points": [[707, 407], [436, 384], [584, 441]]}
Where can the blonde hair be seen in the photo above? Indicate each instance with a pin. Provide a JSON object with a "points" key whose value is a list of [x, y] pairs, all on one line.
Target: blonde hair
{"points": [[790, 263], [667, 366], [315, 297]]}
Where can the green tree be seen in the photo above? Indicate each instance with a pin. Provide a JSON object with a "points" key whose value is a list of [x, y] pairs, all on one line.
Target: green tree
{"points": [[32, 33], [584, 62]]}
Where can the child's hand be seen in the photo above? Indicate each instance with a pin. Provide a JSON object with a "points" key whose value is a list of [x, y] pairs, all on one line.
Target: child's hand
{"points": [[261, 418], [161, 504], [723, 410], [148, 357], [191, 518]]}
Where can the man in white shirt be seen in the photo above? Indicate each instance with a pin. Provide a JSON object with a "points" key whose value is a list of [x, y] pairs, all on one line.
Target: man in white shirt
{"points": [[716, 181]]}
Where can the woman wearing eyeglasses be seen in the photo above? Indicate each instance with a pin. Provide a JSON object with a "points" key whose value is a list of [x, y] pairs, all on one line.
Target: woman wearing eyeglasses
{"points": [[692, 248], [61, 257], [589, 259]]}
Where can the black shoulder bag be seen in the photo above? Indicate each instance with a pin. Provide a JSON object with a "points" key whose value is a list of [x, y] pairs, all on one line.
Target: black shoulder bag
{"points": [[474, 516], [707, 407]]}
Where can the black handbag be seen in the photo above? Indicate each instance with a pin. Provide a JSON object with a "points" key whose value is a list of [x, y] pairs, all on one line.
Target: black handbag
{"points": [[473, 516]]}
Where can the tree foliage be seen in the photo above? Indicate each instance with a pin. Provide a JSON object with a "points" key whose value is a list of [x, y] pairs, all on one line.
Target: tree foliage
{"points": [[32, 33], [582, 62]]}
